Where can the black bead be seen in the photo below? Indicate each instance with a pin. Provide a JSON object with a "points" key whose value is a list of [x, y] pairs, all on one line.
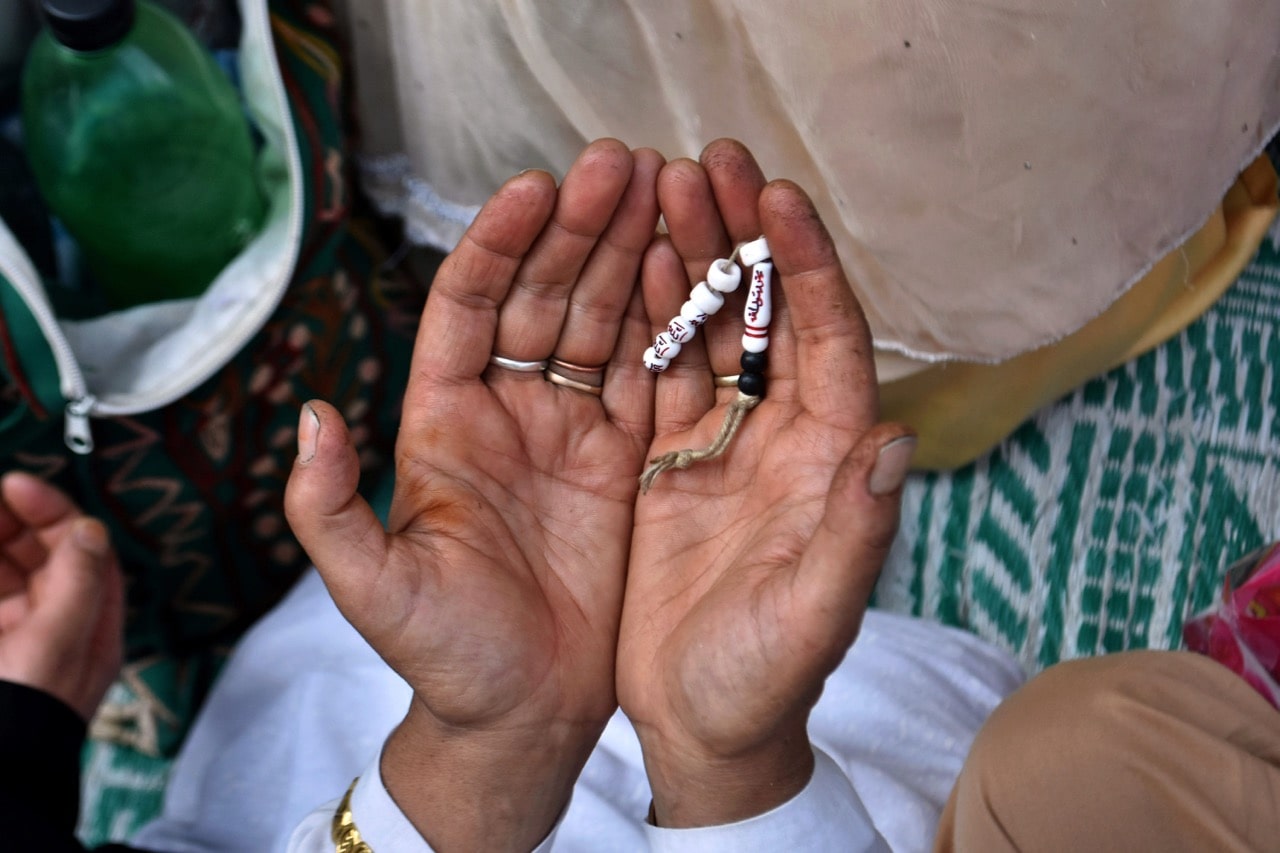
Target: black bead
{"points": [[754, 362], [751, 384]]}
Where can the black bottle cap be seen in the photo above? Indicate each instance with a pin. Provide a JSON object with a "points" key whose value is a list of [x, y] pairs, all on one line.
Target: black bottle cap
{"points": [[88, 25]]}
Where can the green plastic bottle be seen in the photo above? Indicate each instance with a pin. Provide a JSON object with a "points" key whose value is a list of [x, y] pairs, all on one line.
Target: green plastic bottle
{"points": [[138, 143]]}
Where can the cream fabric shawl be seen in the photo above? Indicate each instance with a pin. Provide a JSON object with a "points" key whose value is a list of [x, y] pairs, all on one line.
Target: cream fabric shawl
{"points": [[996, 174]]}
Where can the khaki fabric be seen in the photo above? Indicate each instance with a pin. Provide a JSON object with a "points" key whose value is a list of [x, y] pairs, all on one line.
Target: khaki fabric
{"points": [[1165, 751]]}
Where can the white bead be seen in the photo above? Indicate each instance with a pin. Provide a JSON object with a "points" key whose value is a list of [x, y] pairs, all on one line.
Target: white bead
{"points": [[665, 347], [681, 330], [724, 276], [758, 311], [754, 252], [707, 300], [653, 362], [693, 314]]}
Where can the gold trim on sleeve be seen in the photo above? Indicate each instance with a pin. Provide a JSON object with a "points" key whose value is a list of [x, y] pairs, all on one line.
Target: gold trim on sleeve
{"points": [[344, 832]]}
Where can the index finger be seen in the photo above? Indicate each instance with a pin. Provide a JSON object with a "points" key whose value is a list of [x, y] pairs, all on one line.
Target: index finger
{"points": [[460, 320], [33, 517]]}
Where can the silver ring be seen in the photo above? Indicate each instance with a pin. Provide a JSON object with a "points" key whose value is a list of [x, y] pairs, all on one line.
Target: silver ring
{"points": [[557, 379], [517, 365], [730, 381]]}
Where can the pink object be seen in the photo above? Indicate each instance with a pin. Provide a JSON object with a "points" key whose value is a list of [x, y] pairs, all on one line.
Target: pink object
{"points": [[1242, 630]]}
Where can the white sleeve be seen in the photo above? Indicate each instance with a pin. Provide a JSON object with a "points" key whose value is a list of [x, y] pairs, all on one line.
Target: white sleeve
{"points": [[381, 823], [826, 815]]}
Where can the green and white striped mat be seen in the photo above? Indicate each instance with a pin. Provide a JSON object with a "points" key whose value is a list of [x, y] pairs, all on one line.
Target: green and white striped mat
{"points": [[1109, 516]]}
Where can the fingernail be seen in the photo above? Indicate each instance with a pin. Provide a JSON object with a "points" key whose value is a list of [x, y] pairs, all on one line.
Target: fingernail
{"points": [[892, 465], [308, 433], [90, 536]]}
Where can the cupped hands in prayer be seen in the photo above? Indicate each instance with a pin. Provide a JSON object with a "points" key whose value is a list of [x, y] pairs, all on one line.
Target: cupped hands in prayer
{"points": [[522, 585]]}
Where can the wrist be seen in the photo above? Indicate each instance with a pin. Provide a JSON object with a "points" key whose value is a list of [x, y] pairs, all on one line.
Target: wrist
{"points": [[496, 789], [695, 787]]}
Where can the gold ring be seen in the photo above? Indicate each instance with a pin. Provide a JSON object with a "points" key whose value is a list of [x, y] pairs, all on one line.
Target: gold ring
{"points": [[580, 368], [592, 376], [730, 381], [556, 379]]}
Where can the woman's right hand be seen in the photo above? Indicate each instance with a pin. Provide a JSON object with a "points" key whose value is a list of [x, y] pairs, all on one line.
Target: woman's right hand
{"points": [[496, 588]]}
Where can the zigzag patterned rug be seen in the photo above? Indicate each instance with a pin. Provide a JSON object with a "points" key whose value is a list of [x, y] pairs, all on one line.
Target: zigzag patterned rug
{"points": [[1098, 526], [1109, 517]]}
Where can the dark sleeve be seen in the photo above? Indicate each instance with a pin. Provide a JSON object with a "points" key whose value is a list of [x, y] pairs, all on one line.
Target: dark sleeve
{"points": [[40, 743]]}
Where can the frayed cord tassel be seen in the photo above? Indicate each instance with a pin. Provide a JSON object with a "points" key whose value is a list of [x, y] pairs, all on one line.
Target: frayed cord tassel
{"points": [[682, 459]]}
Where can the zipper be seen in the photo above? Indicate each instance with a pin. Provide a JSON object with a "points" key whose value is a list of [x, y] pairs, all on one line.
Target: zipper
{"points": [[76, 434], [26, 281], [80, 404]]}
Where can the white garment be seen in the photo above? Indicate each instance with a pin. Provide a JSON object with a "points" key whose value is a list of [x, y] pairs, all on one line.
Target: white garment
{"points": [[827, 815], [304, 704]]}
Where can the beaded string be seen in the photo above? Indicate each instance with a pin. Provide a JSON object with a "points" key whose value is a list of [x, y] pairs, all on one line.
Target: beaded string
{"points": [[707, 298]]}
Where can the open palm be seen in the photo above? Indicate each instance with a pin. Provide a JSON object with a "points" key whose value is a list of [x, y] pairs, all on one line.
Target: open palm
{"points": [[749, 573], [496, 586]]}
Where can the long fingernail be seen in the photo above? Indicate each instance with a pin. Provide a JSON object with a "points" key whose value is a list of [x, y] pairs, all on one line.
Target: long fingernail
{"points": [[91, 537], [892, 465], [308, 433]]}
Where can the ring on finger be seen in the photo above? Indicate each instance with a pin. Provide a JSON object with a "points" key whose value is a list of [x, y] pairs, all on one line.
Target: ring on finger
{"points": [[593, 376], [729, 381], [581, 368], [565, 382], [517, 365]]}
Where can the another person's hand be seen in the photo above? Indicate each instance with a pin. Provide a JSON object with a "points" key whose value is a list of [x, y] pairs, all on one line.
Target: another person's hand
{"points": [[496, 588], [61, 596], [749, 574]]}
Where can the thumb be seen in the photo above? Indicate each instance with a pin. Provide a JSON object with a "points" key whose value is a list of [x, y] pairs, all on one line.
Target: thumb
{"points": [[72, 586], [335, 525], [840, 567]]}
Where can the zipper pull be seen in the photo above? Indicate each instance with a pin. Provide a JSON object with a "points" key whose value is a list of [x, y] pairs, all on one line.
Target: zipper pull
{"points": [[78, 436]]}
